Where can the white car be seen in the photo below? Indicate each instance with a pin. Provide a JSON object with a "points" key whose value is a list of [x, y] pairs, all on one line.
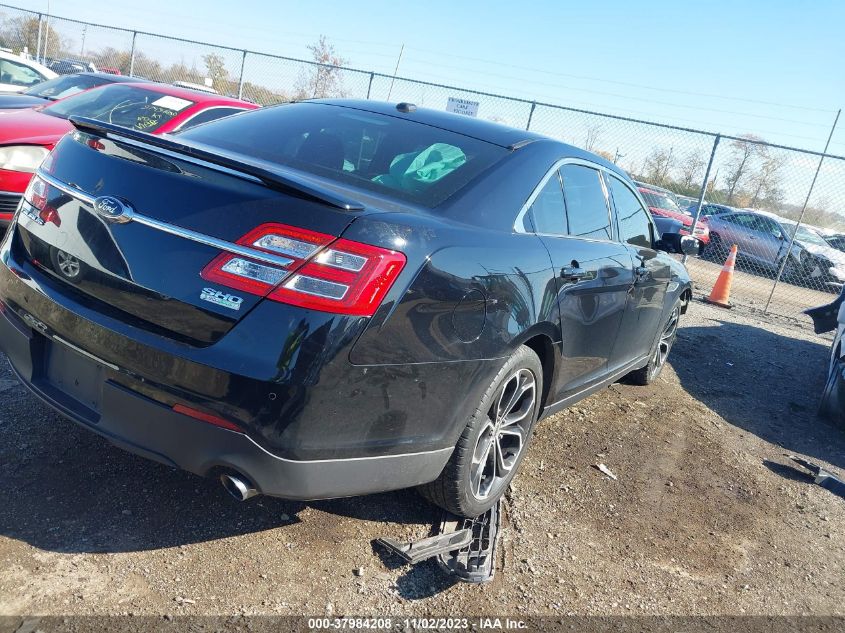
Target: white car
{"points": [[18, 73]]}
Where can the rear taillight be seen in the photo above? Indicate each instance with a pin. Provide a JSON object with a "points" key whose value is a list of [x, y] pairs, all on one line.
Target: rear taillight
{"points": [[287, 242], [324, 273], [36, 193]]}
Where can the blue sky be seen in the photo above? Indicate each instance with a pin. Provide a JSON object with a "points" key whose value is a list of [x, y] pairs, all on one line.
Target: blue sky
{"points": [[771, 68]]}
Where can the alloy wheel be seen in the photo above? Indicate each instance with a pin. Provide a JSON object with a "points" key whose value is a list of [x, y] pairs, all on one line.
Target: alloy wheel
{"points": [[69, 266], [667, 339], [504, 434]]}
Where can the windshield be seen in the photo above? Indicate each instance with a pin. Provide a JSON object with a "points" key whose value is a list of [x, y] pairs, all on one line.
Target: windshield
{"points": [[384, 154], [806, 235], [660, 201], [122, 104], [63, 86]]}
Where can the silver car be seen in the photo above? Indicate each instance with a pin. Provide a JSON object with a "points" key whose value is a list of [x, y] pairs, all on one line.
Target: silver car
{"points": [[762, 240]]}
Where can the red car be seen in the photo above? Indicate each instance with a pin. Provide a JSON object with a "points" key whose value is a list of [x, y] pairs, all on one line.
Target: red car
{"points": [[661, 204], [27, 136]]}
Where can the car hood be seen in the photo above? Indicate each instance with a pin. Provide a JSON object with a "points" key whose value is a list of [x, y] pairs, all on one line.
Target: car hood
{"points": [[836, 257], [14, 102], [31, 127]]}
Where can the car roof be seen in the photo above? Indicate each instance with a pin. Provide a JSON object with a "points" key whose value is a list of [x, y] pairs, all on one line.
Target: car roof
{"points": [[122, 79], [480, 129]]}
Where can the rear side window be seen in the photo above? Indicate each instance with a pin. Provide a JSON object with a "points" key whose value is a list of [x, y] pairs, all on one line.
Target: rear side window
{"points": [[211, 114], [548, 210], [634, 225], [384, 154], [586, 205]]}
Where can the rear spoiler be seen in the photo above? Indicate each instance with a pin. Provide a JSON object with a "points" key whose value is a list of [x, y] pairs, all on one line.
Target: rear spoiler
{"points": [[275, 179]]}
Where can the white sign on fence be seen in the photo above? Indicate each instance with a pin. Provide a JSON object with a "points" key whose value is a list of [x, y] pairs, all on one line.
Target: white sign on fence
{"points": [[462, 106]]}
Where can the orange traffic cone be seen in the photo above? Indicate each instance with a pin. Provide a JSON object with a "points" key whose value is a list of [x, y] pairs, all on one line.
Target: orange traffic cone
{"points": [[720, 296]]}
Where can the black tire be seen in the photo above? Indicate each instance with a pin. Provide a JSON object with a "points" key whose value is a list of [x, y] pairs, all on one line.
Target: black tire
{"points": [[454, 490], [829, 406], [657, 360]]}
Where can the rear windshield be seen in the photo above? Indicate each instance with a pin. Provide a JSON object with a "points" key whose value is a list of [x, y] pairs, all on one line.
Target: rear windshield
{"points": [[63, 86], [659, 201], [121, 104], [384, 154]]}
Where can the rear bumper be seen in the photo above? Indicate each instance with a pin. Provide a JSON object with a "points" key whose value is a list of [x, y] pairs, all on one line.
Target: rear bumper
{"points": [[148, 428]]}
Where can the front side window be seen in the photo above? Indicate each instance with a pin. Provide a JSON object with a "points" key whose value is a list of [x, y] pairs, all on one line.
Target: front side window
{"points": [[586, 204], [18, 74], [548, 210], [634, 225]]}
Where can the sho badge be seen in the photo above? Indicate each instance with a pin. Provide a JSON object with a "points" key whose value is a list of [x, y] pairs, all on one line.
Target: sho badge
{"points": [[221, 298]]}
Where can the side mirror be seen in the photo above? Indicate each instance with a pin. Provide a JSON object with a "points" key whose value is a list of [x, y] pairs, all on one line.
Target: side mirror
{"points": [[677, 243]]}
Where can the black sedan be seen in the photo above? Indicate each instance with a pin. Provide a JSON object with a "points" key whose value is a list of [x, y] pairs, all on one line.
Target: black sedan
{"points": [[334, 298], [59, 87]]}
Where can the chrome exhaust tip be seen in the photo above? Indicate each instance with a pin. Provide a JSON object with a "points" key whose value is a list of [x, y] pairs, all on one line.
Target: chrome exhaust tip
{"points": [[240, 488]]}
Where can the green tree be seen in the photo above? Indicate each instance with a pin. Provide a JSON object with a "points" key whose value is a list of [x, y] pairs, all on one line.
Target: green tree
{"points": [[22, 33]]}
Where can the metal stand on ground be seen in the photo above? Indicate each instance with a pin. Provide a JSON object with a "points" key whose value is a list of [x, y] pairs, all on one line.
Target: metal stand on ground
{"points": [[465, 548]]}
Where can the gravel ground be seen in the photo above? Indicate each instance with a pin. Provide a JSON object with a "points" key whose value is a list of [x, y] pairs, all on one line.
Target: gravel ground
{"points": [[705, 517]]}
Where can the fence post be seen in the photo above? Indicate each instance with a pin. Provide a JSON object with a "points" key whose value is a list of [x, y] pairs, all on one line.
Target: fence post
{"points": [[530, 116], [132, 55], [703, 189], [38, 45], [241, 80], [801, 215], [370, 85]]}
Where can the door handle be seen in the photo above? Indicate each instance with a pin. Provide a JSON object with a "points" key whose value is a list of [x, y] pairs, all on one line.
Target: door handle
{"points": [[572, 273], [641, 273]]}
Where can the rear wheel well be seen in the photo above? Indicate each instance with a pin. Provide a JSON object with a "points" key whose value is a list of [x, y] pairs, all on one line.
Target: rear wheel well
{"points": [[544, 348]]}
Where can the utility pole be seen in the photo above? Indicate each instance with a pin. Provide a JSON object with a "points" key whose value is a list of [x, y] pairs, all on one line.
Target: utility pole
{"points": [[401, 50], [84, 33]]}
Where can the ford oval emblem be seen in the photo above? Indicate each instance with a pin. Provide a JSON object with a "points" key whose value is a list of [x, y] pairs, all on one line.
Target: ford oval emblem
{"points": [[112, 209]]}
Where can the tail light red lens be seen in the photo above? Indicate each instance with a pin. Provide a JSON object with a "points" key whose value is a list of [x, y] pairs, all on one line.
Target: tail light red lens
{"points": [[346, 278], [36, 193], [324, 273]]}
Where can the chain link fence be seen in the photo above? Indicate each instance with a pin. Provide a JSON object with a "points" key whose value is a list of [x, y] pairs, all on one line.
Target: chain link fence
{"points": [[780, 205]]}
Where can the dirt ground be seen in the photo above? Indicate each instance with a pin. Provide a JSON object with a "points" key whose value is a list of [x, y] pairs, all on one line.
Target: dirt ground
{"points": [[705, 517]]}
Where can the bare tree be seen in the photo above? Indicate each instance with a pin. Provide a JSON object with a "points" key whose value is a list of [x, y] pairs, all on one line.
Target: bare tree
{"points": [[591, 138], [658, 165], [692, 170], [765, 183], [216, 67], [323, 79], [743, 153]]}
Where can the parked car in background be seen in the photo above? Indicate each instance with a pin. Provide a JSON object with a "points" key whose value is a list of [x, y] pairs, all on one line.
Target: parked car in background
{"points": [[836, 240], [709, 209], [27, 136], [762, 239], [686, 203], [18, 74], [333, 298], [110, 69], [72, 66], [829, 318], [661, 204], [57, 88]]}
